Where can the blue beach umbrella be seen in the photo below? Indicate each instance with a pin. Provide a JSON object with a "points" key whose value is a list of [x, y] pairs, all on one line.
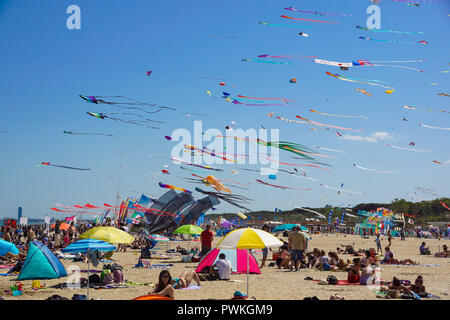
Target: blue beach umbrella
{"points": [[6, 247], [87, 245]]}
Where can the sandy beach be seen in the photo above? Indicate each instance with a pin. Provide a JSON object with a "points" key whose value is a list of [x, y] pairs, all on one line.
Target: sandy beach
{"points": [[271, 284]]}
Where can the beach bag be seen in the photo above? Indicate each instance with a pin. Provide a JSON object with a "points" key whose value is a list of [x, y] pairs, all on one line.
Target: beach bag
{"points": [[106, 277], [332, 279], [94, 278], [117, 276]]}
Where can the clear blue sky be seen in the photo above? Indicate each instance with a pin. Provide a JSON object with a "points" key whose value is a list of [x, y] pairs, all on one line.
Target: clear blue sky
{"points": [[44, 66]]}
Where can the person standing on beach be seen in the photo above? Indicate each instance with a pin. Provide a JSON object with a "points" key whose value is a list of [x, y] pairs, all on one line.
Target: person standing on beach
{"points": [[206, 238], [378, 242], [389, 238], [57, 234], [297, 244], [264, 250]]}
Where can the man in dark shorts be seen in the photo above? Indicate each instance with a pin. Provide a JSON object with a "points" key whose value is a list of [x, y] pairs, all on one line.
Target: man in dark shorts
{"points": [[297, 244], [206, 239]]}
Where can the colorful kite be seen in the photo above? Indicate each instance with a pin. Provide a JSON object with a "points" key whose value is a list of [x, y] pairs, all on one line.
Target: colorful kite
{"points": [[283, 16], [283, 99], [341, 190], [318, 13], [328, 149], [232, 199], [437, 162], [281, 187], [168, 186], [177, 160], [65, 167], [372, 83], [328, 125], [149, 72], [413, 108], [135, 122], [335, 115], [444, 205], [293, 80], [373, 170], [91, 134], [121, 104], [393, 41], [443, 94], [392, 31], [364, 91], [303, 34], [281, 25], [287, 56]]}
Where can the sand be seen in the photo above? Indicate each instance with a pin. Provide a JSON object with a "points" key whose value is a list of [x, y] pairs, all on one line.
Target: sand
{"points": [[271, 284]]}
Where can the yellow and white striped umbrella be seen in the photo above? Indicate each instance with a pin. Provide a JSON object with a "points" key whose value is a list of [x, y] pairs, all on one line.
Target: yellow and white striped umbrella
{"points": [[249, 238]]}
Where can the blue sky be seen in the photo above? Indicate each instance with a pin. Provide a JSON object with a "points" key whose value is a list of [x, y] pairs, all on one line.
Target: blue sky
{"points": [[45, 67]]}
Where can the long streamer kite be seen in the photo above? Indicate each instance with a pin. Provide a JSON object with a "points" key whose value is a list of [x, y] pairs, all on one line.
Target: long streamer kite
{"points": [[414, 108], [342, 190], [427, 126], [328, 125], [257, 105], [91, 134], [393, 41], [281, 25], [288, 120], [65, 167], [168, 186], [317, 13], [372, 83], [328, 149], [373, 170], [177, 160], [286, 17], [232, 199], [131, 103], [287, 56], [281, 187], [392, 31], [283, 99], [105, 116], [263, 61], [319, 214], [407, 149], [207, 151], [335, 115]]}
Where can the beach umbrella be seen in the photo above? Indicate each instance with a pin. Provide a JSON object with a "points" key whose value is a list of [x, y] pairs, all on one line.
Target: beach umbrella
{"points": [[248, 238], [283, 227], [157, 237], [107, 234], [63, 226], [189, 229], [6, 247], [88, 245]]}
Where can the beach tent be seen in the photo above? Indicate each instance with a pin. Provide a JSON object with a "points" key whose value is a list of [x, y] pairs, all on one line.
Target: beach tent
{"points": [[63, 226], [283, 227], [6, 247], [237, 257], [41, 263]]}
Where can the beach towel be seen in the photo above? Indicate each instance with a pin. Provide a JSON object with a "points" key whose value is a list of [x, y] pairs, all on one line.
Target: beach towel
{"points": [[341, 283], [6, 266], [192, 287]]}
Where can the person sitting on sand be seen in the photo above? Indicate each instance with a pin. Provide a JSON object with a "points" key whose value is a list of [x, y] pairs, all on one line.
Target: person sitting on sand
{"points": [[284, 258], [424, 250], [353, 271], [342, 265], [313, 258], [224, 267], [334, 258], [185, 279], [387, 255], [324, 262], [368, 259], [418, 287], [443, 254], [164, 286]]}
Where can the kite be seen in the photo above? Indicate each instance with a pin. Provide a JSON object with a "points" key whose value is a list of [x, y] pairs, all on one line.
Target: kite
{"points": [[303, 34], [281, 25], [283, 99], [443, 94], [426, 126], [413, 108], [281, 187], [168, 138], [207, 151], [234, 171], [149, 72], [412, 144], [444, 205], [407, 149], [272, 177], [426, 190], [328, 149], [328, 125], [262, 61], [437, 162], [213, 182], [92, 134], [177, 160], [335, 115], [318, 13], [293, 80], [392, 41], [283, 16], [319, 214], [256, 105], [121, 104], [379, 30], [222, 83], [230, 198], [373, 170], [195, 114], [342, 190], [165, 171], [65, 167], [334, 63], [287, 120], [104, 116], [287, 56], [296, 174], [372, 83], [168, 186]]}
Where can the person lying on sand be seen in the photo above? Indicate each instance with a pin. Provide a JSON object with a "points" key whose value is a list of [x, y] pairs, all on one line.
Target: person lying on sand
{"points": [[391, 260], [418, 287], [164, 286], [185, 279], [336, 297]]}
